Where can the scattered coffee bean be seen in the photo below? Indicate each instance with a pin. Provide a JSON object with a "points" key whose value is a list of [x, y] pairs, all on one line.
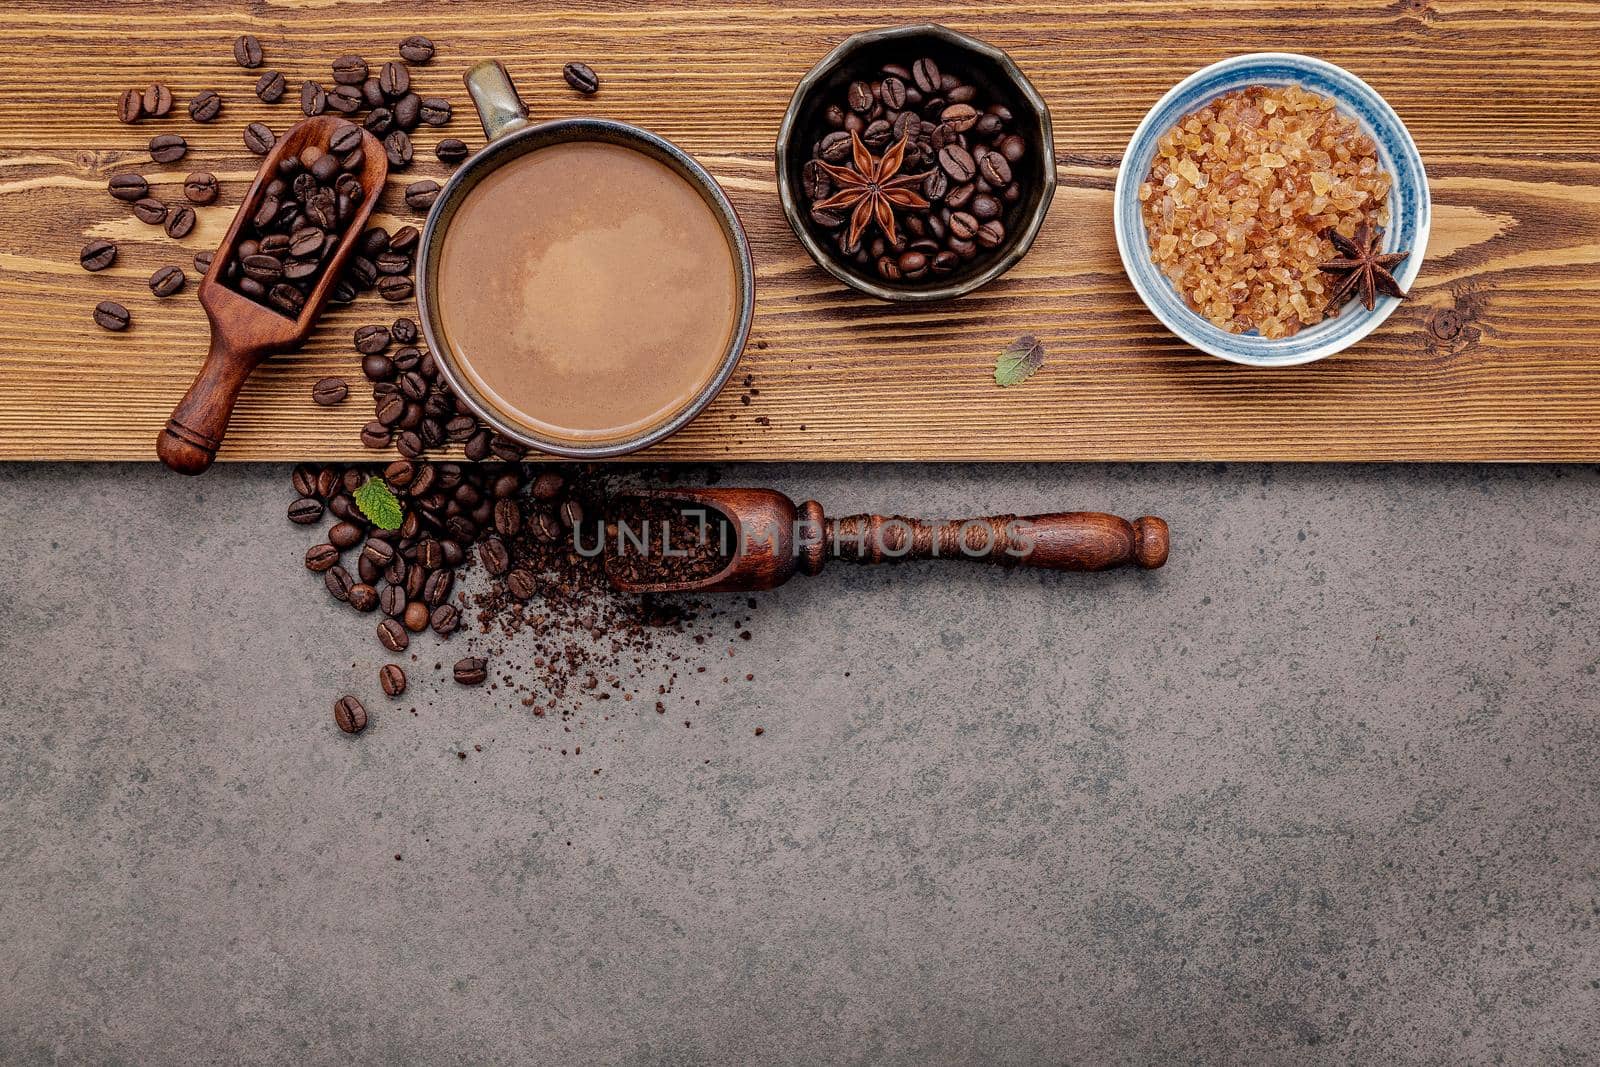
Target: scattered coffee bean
{"points": [[582, 78], [168, 148], [313, 98], [201, 187], [247, 51], [98, 255], [392, 633], [397, 146], [150, 211], [128, 187], [472, 670], [180, 222], [363, 597], [375, 435], [130, 106], [158, 101], [349, 70], [371, 339], [451, 150], [338, 582], [110, 315], [305, 511], [345, 99], [434, 111], [206, 106], [444, 619], [394, 79], [395, 287], [167, 281], [259, 138], [321, 557], [330, 391], [270, 87], [404, 239], [407, 110], [415, 617], [392, 677], [349, 715], [202, 262], [421, 195], [416, 49]]}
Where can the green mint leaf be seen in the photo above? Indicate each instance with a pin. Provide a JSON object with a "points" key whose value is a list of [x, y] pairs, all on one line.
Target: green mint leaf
{"points": [[1020, 359], [377, 502]]}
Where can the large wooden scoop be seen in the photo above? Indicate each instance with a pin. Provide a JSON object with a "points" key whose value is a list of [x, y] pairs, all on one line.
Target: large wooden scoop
{"points": [[243, 332], [771, 538]]}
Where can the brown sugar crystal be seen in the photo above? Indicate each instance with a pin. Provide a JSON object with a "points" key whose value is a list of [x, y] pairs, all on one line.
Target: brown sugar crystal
{"points": [[1241, 195]]}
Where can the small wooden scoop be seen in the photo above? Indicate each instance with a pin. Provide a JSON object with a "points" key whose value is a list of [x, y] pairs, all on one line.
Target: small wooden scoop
{"points": [[243, 332], [772, 538]]}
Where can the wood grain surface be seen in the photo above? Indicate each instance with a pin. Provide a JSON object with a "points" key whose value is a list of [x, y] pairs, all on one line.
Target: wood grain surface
{"points": [[1494, 359]]}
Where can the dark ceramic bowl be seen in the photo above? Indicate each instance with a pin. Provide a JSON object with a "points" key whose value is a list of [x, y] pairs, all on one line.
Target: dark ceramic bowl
{"points": [[987, 67]]}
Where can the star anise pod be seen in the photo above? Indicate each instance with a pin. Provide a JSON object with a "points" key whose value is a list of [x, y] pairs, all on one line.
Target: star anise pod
{"points": [[1365, 270], [872, 189]]}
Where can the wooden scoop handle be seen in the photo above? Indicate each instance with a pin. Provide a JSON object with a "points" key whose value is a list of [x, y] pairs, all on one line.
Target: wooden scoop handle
{"points": [[1065, 541], [189, 442]]}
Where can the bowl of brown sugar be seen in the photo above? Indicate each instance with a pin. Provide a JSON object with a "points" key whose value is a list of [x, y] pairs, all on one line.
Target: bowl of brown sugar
{"points": [[1272, 209]]}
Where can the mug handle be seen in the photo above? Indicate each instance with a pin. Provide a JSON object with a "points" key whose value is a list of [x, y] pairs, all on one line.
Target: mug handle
{"points": [[500, 109]]}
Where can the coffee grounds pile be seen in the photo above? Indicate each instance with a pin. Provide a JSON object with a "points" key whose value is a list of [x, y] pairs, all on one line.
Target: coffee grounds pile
{"points": [[654, 540]]}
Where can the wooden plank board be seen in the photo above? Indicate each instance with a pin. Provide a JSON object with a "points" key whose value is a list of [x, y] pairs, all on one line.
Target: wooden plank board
{"points": [[1495, 358]]}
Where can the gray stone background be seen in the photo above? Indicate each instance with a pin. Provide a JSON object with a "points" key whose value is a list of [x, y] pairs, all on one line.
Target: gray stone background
{"points": [[1326, 789]]}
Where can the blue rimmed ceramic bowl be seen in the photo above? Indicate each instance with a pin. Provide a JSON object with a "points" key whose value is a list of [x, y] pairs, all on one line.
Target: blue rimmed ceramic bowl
{"points": [[1409, 206]]}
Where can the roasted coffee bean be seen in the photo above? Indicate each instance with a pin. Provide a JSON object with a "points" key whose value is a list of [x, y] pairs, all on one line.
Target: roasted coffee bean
{"points": [[493, 555], [392, 601], [377, 367], [451, 150], [444, 619], [110, 315], [313, 98], [957, 162], [206, 106], [392, 633], [521, 584], [888, 269], [582, 78], [345, 99], [158, 101], [373, 241], [408, 358], [945, 262], [434, 111], [984, 206], [375, 435], [393, 263], [167, 281], [345, 534], [959, 117], [305, 511], [259, 138], [477, 447], [128, 187], [405, 238], [150, 210], [330, 391], [571, 514], [507, 518], [345, 139], [270, 87], [247, 51], [130, 106], [877, 134], [392, 677], [927, 76], [349, 70], [400, 473], [472, 670], [327, 482], [858, 97], [416, 49], [409, 442], [168, 148], [350, 716], [379, 121], [407, 111], [322, 167], [815, 182], [397, 146], [372, 93], [415, 617], [363, 597], [181, 222], [548, 486], [395, 573], [98, 255], [459, 428], [394, 79], [1012, 147], [262, 267], [835, 147], [913, 265], [371, 339], [304, 479], [338, 583], [991, 234], [963, 225], [321, 557], [287, 298], [959, 196], [201, 187], [395, 287], [893, 92]]}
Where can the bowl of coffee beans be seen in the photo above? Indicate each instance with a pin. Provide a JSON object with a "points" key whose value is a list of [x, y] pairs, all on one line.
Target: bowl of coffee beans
{"points": [[916, 163]]}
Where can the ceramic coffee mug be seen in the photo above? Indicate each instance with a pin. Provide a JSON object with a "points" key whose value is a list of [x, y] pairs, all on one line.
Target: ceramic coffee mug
{"points": [[512, 135]]}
